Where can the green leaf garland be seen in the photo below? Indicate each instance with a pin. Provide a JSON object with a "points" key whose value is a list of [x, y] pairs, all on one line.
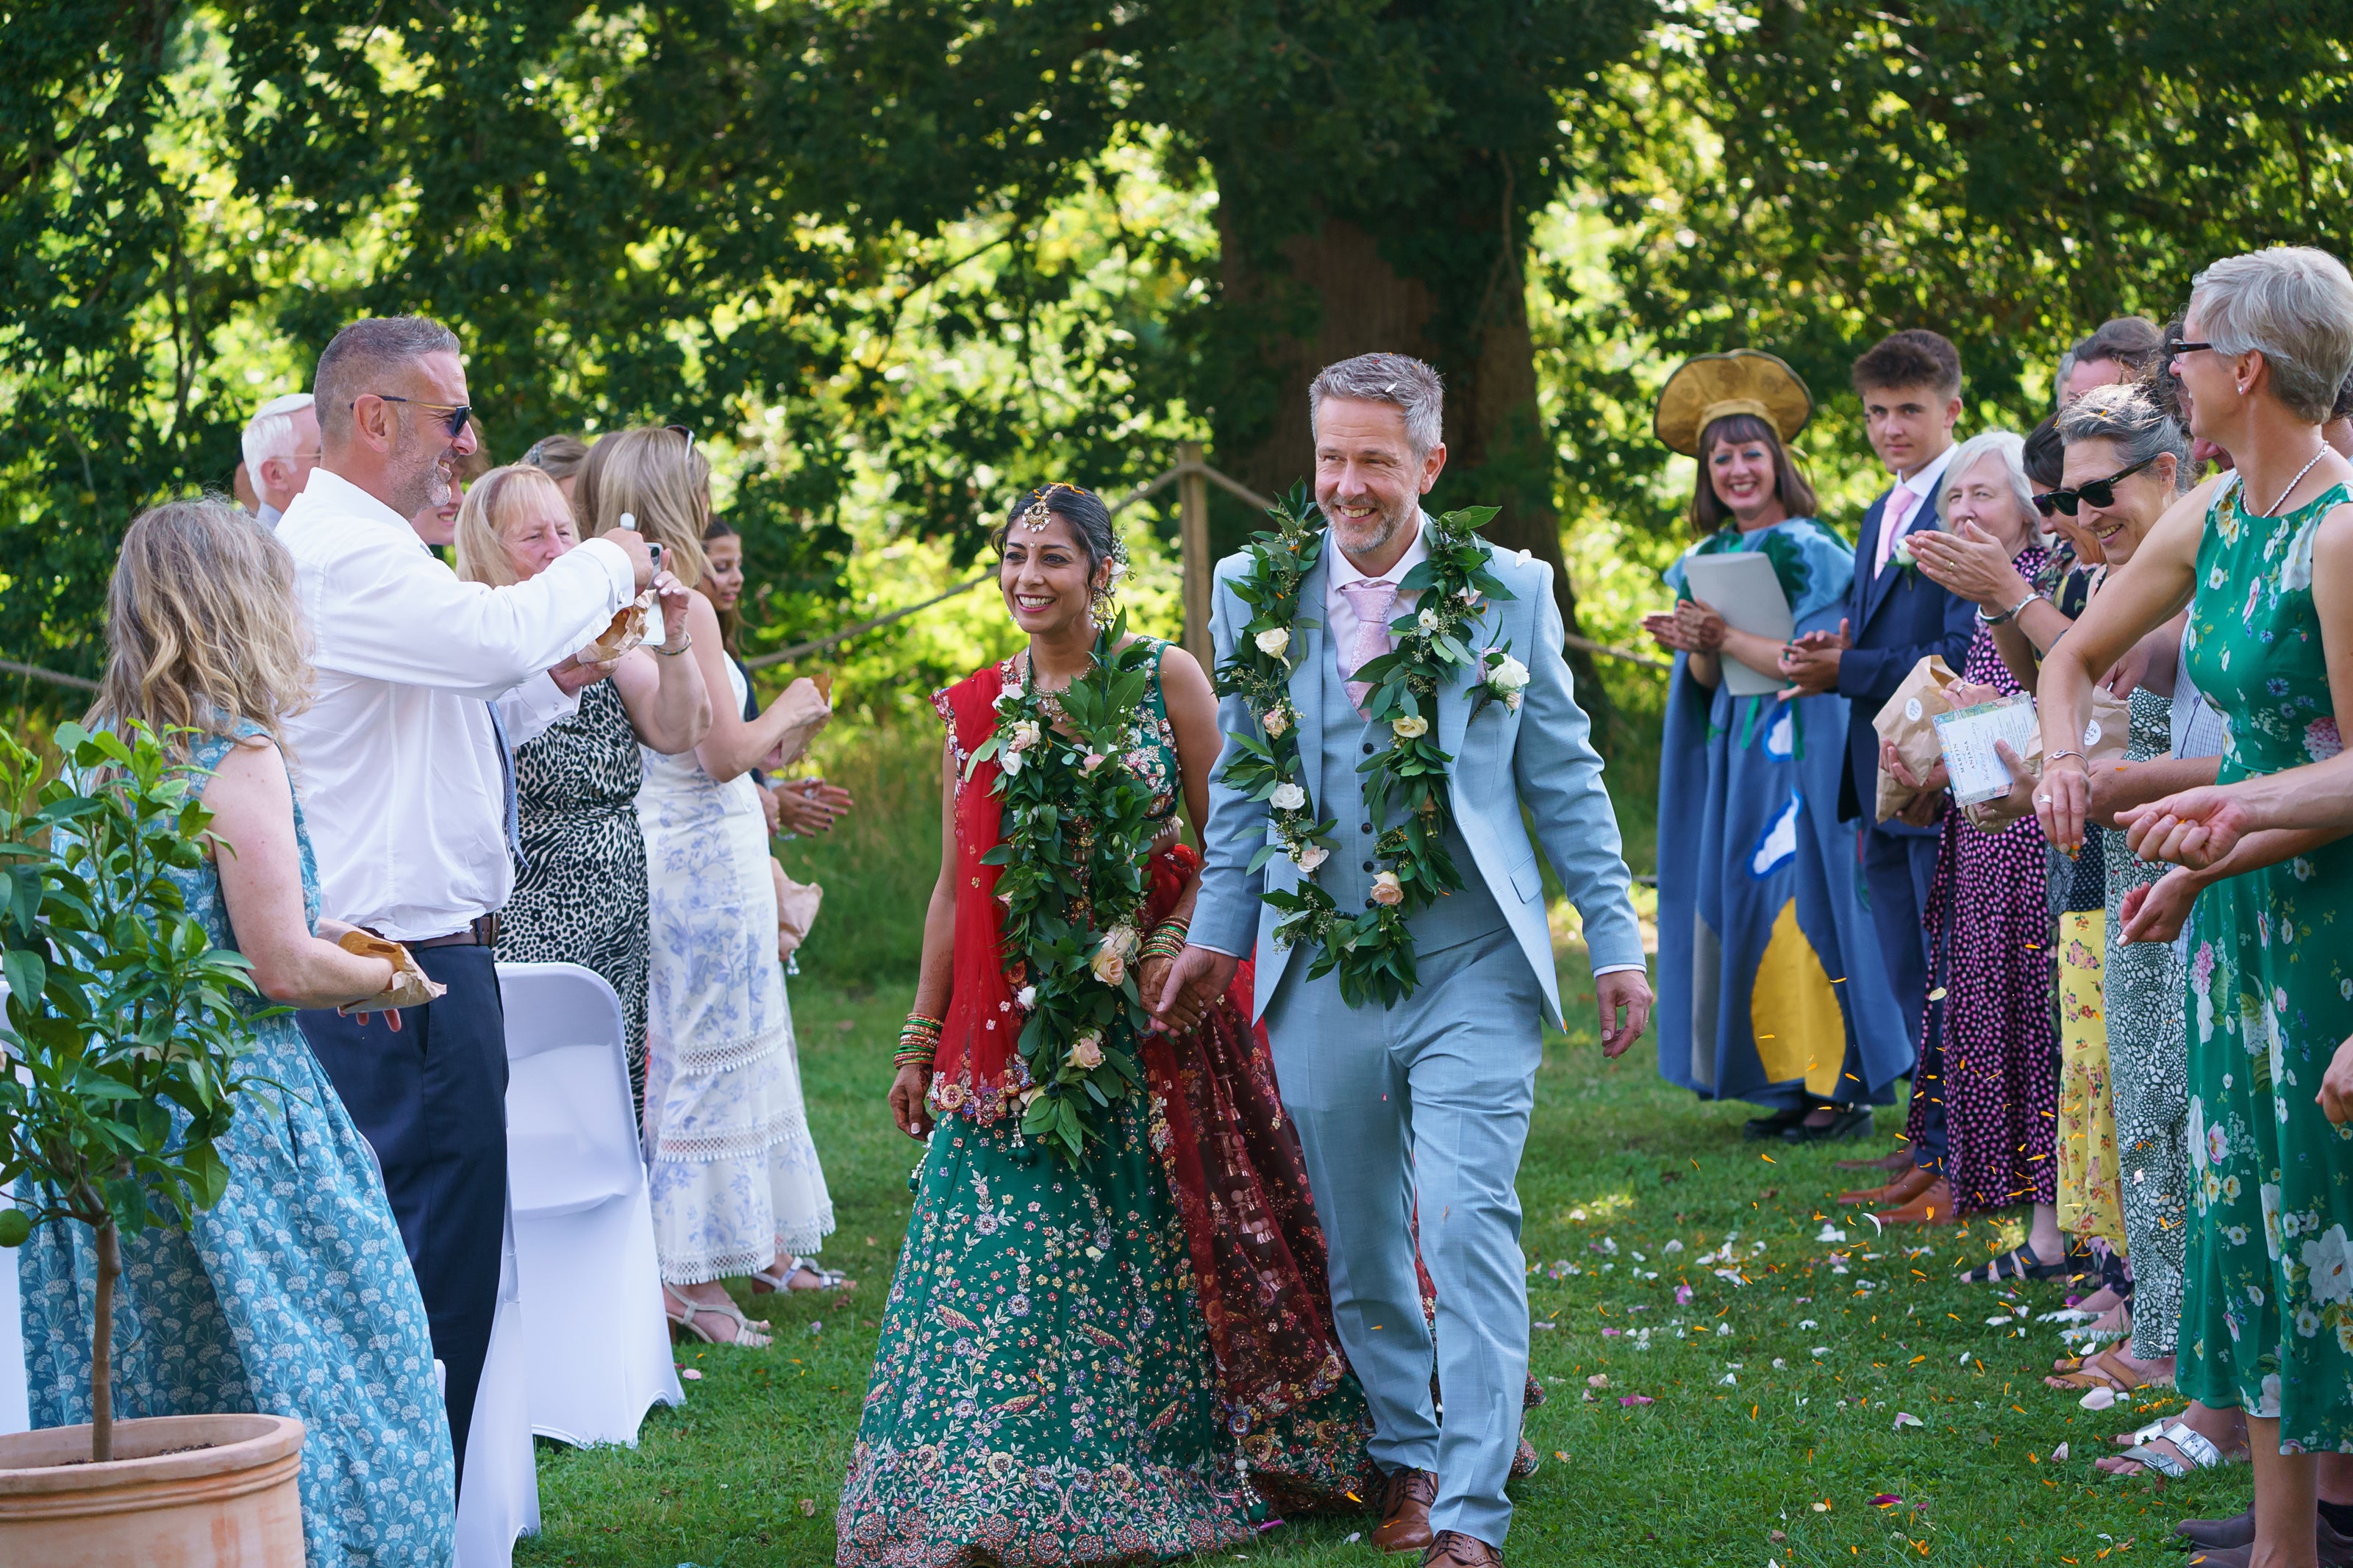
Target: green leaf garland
{"points": [[1078, 832], [1373, 951]]}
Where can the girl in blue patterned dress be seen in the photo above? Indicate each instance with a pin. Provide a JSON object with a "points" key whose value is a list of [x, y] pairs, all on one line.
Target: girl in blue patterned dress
{"points": [[1769, 990], [292, 1295]]}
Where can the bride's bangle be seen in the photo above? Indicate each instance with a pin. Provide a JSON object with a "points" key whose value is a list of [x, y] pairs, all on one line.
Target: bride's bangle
{"points": [[2078, 755], [1167, 940]]}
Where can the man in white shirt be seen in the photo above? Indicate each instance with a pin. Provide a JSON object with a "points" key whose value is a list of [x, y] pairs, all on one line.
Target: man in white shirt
{"points": [[281, 448], [406, 784]]}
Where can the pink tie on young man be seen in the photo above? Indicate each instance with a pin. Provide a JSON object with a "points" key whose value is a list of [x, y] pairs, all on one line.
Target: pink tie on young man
{"points": [[1892, 519], [1373, 599]]}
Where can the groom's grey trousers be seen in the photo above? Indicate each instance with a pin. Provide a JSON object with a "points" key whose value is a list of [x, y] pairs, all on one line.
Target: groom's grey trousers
{"points": [[1430, 1098], [1427, 1097]]}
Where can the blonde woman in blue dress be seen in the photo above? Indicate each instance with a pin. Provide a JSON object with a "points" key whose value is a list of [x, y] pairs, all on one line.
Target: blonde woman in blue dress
{"points": [[292, 1295]]}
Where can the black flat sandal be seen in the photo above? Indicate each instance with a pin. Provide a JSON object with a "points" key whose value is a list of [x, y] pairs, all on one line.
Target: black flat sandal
{"points": [[2018, 1264]]}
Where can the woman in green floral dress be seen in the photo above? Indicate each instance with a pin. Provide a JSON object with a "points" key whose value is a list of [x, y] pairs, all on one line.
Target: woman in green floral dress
{"points": [[2263, 556], [1128, 1358]]}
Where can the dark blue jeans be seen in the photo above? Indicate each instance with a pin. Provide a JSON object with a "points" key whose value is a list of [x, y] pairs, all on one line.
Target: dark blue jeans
{"points": [[431, 1100]]}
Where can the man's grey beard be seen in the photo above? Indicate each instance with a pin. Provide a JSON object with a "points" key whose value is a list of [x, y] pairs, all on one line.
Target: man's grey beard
{"points": [[414, 489], [1391, 521]]}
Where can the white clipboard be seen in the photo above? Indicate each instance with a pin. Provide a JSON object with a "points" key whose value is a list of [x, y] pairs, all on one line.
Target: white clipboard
{"points": [[1743, 589]]}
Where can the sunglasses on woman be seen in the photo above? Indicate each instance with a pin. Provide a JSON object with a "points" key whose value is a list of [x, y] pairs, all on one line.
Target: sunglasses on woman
{"points": [[2101, 494]]}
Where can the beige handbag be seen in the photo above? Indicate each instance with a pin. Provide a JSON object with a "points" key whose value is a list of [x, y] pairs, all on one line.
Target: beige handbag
{"points": [[797, 907]]}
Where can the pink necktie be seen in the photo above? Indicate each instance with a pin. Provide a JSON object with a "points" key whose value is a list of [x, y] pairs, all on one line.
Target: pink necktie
{"points": [[1891, 523], [1373, 599]]}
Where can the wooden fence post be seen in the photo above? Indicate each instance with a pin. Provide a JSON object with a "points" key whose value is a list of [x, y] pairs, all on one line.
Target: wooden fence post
{"points": [[1193, 537]]}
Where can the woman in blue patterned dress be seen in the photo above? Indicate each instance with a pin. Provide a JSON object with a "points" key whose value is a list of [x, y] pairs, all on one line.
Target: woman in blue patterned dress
{"points": [[292, 1295], [1769, 990]]}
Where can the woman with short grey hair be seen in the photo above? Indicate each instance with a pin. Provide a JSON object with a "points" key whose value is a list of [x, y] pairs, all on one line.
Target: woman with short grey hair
{"points": [[2262, 557]]}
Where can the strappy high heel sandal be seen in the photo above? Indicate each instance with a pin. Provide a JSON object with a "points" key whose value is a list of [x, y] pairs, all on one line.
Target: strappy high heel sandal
{"points": [[749, 1335]]}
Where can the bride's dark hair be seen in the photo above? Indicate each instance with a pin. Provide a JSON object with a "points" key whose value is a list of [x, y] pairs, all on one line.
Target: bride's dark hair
{"points": [[1082, 510]]}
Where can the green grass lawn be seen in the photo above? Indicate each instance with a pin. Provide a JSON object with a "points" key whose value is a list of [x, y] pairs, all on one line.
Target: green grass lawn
{"points": [[747, 1473]]}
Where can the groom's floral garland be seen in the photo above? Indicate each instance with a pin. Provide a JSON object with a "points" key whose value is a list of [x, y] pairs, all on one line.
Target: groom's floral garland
{"points": [[1373, 951], [1077, 837]]}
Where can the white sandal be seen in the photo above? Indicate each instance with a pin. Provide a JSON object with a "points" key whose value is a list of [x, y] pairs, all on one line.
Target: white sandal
{"points": [[749, 1335], [2198, 1452], [773, 1279]]}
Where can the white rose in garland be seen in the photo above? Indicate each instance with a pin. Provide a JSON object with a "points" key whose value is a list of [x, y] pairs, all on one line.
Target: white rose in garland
{"points": [[1507, 678], [1287, 797], [1274, 642]]}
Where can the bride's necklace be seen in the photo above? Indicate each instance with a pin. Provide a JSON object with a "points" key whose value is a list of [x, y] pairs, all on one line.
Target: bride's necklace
{"points": [[2273, 511]]}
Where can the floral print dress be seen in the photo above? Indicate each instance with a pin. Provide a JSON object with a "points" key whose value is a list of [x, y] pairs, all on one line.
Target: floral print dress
{"points": [[292, 1296], [1990, 1041], [2267, 1318]]}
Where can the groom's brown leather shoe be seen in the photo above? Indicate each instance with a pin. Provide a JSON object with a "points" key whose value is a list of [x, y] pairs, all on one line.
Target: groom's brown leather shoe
{"points": [[1452, 1549], [1406, 1497]]}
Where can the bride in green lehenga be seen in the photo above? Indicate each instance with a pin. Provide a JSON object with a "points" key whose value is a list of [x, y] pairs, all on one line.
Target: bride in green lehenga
{"points": [[1126, 1356]]}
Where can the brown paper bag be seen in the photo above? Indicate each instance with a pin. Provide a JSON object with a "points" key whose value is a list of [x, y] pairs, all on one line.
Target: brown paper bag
{"points": [[410, 987], [1909, 720]]}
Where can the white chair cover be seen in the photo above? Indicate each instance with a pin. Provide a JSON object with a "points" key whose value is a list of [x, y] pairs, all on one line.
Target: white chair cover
{"points": [[15, 1405], [597, 1340], [500, 1500]]}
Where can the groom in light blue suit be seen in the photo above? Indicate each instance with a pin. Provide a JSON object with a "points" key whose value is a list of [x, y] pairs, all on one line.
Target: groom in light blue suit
{"points": [[1424, 1103]]}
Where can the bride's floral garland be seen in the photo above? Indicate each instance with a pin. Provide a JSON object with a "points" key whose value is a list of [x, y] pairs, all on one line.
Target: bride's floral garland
{"points": [[1077, 837], [1373, 951]]}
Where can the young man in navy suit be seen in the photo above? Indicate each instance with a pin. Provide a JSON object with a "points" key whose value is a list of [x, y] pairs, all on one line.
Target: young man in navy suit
{"points": [[1910, 383]]}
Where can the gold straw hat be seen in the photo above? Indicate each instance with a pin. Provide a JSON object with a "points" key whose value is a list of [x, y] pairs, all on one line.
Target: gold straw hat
{"points": [[1708, 387]]}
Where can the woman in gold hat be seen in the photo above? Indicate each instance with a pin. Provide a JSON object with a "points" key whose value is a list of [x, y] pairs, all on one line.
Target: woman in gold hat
{"points": [[1770, 989]]}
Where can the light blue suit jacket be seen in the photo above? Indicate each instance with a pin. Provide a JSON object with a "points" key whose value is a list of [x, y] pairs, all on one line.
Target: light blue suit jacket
{"points": [[1538, 757]]}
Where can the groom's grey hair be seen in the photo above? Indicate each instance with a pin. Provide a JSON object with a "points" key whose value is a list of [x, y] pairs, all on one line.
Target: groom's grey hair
{"points": [[1398, 380]]}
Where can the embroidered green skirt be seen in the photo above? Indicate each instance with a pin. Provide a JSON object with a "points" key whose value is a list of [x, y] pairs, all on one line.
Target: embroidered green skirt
{"points": [[1044, 1391]]}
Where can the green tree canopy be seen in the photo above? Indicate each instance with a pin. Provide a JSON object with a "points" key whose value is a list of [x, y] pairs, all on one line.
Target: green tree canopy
{"points": [[928, 243]]}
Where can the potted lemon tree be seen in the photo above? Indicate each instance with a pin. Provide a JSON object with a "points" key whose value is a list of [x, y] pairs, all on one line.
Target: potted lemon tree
{"points": [[123, 1032]]}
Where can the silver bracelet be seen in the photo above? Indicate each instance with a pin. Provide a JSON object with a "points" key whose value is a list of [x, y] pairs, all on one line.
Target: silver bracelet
{"points": [[2078, 755], [674, 652]]}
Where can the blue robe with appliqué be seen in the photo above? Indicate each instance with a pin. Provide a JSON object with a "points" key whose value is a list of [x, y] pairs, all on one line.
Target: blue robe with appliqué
{"points": [[1770, 985]]}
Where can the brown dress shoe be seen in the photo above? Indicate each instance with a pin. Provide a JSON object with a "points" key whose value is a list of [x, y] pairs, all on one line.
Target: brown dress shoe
{"points": [[1452, 1549], [1901, 1190], [1932, 1205], [1406, 1497]]}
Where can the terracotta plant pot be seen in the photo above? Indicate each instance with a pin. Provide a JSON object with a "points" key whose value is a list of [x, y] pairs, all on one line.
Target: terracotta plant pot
{"points": [[181, 1491]]}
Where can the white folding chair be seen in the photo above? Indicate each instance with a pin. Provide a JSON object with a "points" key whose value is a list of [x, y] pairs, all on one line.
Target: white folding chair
{"points": [[15, 1405], [596, 1339], [501, 1496]]}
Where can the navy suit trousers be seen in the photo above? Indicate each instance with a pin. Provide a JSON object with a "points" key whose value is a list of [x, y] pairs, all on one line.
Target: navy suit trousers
{"points": [[431, 1100], [1898, 869]]}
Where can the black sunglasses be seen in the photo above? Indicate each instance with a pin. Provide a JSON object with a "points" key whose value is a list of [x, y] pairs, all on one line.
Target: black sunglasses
{"points": [[2175, 347], [458, 412], [2099, 492], [681, 430]]}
